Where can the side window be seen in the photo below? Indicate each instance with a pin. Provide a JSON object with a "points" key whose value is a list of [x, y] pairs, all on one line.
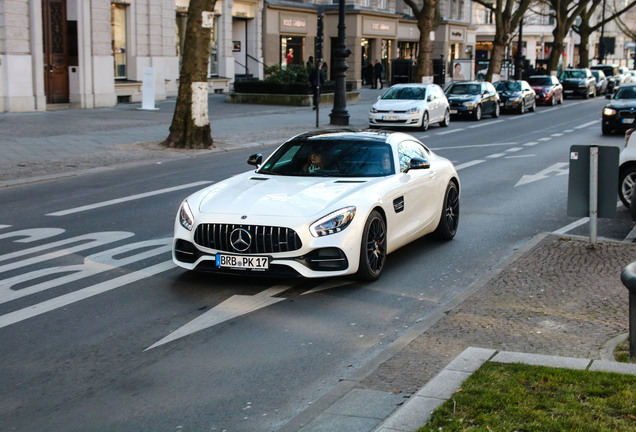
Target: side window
{"points": [[407, 150]]}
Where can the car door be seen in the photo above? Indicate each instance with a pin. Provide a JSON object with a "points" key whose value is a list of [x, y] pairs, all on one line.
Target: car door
{"points": [[434, 102], [528, 93], [417, 202]]}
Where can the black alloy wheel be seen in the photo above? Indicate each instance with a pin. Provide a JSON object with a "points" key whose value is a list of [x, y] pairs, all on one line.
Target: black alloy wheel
{"points": [[372, 248], [449, 220]]}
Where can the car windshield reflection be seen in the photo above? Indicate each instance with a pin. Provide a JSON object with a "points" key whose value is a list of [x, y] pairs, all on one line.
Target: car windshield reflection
{"points": [[508, 86], [625, 93], [540, 81], [407, 93], [464, 89], [324, 157]]}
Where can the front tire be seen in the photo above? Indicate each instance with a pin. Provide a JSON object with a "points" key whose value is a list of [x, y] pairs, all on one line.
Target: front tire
{"points": [[626, 183], [522, 107], [449, 219], [477, 113], [372, 248], [424, 125], [497, 111]]}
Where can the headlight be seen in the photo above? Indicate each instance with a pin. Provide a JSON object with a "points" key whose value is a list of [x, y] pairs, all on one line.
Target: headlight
{"points": [[582, 84], [333, 222], [514, 99], [186, 219], [415, 110], [469, 104], [374, 110], [609, 111]]}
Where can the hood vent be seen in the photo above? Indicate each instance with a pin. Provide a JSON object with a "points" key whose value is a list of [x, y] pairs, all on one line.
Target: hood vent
{"points": [[259, 178]]}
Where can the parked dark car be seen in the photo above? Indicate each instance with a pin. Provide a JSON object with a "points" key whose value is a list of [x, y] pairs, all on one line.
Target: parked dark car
{"points": [[601, 81], [516, 96], [611, 73], [620, 113], [548, 89], [473, 99], [578, 82]]}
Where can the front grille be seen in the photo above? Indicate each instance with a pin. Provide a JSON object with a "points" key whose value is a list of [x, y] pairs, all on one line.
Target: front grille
{"points": [[391, 111], [627, 114], [262, 239]]}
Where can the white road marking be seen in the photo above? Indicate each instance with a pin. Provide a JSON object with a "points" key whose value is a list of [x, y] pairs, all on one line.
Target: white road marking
{"points": [[33, 234], [514, 149], [545, 139], [485, 124], [450, 131], [558, 168], [531, 143], [233, 307], [495, 155], [584, 125], [468, 164], [126, 199], [475, 146], [571, 226], [328, 285], [70, 298]]}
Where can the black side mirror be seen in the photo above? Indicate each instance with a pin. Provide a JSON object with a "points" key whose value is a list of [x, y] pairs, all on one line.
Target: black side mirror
{"points": [[255, 159], [418, 163]]}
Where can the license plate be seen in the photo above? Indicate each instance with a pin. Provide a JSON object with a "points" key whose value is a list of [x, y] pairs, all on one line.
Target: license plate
{"points": [[453, 111], [242, 262], [501, 104], [389, 117], [569, 91], [627, 120]]}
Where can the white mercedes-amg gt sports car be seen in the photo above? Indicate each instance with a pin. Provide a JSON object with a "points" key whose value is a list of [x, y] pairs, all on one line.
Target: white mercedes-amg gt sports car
{"points": [[328, 203]]}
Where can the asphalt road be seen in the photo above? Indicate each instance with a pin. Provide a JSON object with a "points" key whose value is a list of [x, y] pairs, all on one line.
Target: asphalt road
{"points": [[100, 332]]}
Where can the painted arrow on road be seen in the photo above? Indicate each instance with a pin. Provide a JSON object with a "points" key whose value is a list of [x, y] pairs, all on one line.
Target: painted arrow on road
{"points": [[560, 168]]}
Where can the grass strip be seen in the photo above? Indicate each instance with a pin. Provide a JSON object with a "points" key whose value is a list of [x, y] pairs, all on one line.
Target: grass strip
{"points": [[518, 397]]}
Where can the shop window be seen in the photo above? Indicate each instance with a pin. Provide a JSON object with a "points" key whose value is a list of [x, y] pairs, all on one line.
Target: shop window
{"points": [[118, 36]]}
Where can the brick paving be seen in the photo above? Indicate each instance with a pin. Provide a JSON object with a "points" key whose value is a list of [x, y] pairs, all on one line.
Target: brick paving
{"points": [[562, 297]]}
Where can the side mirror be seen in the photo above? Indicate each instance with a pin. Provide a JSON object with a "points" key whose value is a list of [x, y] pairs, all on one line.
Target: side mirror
{"points": [[429, 98], [608, 96], [255, 159], [418, 163]]}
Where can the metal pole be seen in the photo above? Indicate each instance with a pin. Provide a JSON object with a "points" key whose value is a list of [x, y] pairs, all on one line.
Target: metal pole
{"points": [[628, 277], [339, 114], [593, 192], [601, 45], [519, 51]]}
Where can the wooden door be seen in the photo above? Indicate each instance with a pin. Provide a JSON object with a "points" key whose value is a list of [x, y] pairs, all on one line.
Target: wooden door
{"points": [[55, 51]]}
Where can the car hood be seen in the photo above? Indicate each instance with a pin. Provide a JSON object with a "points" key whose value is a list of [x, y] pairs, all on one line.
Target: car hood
{"points": [[263, 195], [573, 81], [509, 94], [396, 104], [622, 103], [538, 89]]}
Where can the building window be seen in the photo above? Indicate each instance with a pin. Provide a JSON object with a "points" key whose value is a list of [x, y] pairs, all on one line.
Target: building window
{"points": [[118, 35]]}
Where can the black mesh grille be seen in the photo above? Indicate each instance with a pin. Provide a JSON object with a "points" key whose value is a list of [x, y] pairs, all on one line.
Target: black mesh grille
{"points": [[262, 239]]}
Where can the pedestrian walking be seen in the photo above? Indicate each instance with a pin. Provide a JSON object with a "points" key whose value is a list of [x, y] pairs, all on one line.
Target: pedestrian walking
{"points": [[368, 74], [378, 69]]}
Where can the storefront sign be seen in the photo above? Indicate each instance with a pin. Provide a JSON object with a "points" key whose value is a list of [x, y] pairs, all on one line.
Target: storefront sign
{"points": [[379, 27], [456, 34], [293, 23], [242, 10]]}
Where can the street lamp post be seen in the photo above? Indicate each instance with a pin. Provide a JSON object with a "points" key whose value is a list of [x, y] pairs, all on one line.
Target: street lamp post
{"points": [[339, 114], [519, 57]]}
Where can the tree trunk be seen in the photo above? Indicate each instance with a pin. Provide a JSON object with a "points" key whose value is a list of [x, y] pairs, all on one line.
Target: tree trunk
{"points": [[496, 58], [190, 126], [584, 46], [425, 24]]}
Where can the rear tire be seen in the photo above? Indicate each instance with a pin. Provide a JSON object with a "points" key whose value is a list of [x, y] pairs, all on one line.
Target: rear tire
{"points": [[372, 248], [626, 183], [449, 220]]}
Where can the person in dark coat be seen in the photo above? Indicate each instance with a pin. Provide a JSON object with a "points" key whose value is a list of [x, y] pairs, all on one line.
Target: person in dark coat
{"points": [[378, 69], [368, 74]]}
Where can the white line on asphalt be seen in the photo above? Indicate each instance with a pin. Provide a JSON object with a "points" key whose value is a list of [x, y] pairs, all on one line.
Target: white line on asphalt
{"points": [[520, 156], [495, 155], [126, 199], [474, 146], [584, 125], [573, 225], [449, 131], [544, 139], [513, 149], [556, 135], [531, 143], [73, 297], [485, 124], [468, 164]]}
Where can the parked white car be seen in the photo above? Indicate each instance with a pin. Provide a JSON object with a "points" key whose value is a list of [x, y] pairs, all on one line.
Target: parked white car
{"points": [[627, 172], [411, 105]]}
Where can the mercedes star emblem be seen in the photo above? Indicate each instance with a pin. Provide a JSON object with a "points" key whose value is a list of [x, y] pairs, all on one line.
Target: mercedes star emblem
{"points": [[240, 239]]}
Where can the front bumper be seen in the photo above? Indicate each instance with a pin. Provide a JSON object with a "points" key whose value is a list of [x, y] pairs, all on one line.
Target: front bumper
{"points": [[619, 121], [510, 104], [395, 119], [332, 255]]}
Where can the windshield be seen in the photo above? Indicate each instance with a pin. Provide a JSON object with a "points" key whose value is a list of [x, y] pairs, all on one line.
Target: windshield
{"points": [[573, 74], [508, 86], [626, 93], [464, 89], [540, 81], [331, 156], [607, 70], [410, 93]]}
